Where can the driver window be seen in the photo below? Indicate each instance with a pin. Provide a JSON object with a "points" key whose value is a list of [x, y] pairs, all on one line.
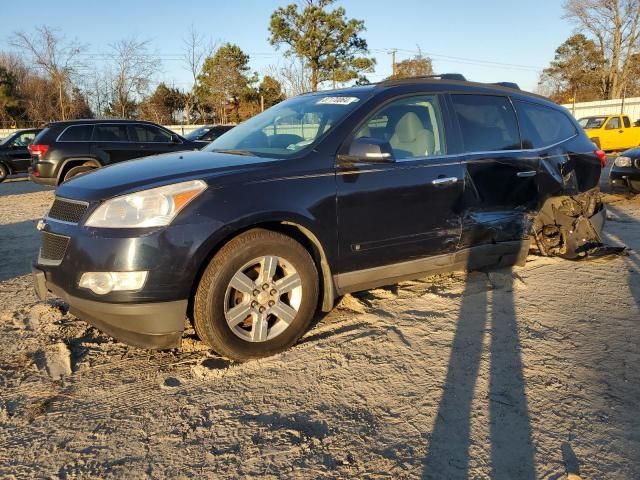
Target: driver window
{"points": [[613, 124], [24, 140], [412, 126]]}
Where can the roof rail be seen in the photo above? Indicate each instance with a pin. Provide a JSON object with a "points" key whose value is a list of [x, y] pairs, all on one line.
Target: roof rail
{"points": [[507, 85], [442, 76]]}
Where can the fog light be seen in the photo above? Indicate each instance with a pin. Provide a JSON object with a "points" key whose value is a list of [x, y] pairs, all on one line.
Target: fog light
{"points": [[102, 283]]}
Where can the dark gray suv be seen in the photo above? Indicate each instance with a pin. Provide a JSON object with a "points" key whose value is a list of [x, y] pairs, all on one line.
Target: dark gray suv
{"points": [[66, 149]]}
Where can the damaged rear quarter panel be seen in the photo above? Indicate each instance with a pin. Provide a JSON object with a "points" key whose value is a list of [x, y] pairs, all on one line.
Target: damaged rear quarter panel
{"points": [[571, 213]]}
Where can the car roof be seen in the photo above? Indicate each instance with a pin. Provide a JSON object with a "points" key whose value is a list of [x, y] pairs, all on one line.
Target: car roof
{"points": [[92, 121], [444, 83]]}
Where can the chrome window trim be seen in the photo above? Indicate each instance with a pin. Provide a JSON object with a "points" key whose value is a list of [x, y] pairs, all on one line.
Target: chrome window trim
{"points": [[112, 141]]}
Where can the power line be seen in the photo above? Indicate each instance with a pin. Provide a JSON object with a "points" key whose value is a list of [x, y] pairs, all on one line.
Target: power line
{"points": [[463, 60]]}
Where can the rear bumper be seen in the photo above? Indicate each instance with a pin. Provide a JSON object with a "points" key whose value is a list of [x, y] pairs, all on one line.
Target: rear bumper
{"points": [[147, 325], [52, 182]]}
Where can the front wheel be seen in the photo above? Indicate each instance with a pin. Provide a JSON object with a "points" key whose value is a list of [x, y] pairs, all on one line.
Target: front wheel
{"points": [[257, 296], [4, 173]]}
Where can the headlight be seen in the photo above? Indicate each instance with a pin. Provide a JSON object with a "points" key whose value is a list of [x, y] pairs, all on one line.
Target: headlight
{"points": [[155, 207], [102, 283], [623, 162]]}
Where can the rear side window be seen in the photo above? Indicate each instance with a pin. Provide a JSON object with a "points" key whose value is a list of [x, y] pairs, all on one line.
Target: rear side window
{"points": [[488, 123], [76, 133], [627, 123], [542, 126], [149, 134], [110, 133]]}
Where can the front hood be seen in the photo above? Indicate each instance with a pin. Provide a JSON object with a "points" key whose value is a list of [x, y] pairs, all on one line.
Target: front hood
{"points": [[155, 171], [632, 153]]}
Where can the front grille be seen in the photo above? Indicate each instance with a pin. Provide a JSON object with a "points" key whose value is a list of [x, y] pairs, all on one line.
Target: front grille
{"points": [[67, 210], [53, 247]]}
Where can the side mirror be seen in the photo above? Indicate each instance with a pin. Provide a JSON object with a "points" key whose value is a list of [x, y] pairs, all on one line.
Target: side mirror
{"points": [[175, 138], [369, 150]]}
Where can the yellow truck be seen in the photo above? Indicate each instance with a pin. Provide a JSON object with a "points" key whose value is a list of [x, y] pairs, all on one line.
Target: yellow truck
{"points": [[611, 132]]}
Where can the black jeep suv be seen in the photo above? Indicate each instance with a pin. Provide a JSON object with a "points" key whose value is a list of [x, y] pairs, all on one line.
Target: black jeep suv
{"points": [[14, 153], [323, 194], [65, 149]]}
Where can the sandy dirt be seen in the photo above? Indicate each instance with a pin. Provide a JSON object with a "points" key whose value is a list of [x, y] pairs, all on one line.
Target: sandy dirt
{"points": [[512, 374]]}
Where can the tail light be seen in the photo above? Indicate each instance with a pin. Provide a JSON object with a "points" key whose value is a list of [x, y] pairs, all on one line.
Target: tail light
{"points": [[38, 150], [602, 157]]}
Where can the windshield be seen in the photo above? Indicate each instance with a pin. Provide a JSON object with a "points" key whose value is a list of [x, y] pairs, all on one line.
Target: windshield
{"points": [[287, 128], [592, 122], [6, 139], [197, 133]]}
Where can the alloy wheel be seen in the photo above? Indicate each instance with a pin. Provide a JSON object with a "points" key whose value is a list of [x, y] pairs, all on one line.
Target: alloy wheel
{"points": [[263, 298]]}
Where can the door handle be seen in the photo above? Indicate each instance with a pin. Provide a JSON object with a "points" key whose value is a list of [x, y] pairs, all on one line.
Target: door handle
{"points": [[444, 181], [620, 131], [528, 173]]}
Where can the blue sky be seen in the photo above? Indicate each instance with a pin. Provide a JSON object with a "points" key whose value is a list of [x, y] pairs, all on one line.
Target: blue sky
{"points": [[493, 40]]}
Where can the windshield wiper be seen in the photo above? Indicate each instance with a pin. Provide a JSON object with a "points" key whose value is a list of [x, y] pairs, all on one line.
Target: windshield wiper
{"points": [[233, 152]]}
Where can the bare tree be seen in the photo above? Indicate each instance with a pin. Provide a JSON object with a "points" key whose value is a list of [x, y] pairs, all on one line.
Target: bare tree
{"points": [[60, 59], [196, 49], [614, 26], [292, 75], [133, 67]]}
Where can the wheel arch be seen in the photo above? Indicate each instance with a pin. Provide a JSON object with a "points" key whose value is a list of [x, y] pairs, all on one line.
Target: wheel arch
{"points": [[69, 163], [5, 164], [292, 228]]}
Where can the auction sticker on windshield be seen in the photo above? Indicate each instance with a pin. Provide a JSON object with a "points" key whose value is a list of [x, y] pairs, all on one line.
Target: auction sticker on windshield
{"points": [[337, 100]]}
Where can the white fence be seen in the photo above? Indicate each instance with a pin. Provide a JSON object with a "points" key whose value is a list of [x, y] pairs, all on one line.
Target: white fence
{"points": [[628, 106]]}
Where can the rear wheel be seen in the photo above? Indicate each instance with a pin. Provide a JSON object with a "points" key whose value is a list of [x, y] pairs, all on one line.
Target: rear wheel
{"points": [[75, 171], [257, 296], [4, 173]]}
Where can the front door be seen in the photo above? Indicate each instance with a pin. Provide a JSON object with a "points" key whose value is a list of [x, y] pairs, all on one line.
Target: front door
{"points": [[153, 140], [18, 154], [614, 134], [405, 208]]}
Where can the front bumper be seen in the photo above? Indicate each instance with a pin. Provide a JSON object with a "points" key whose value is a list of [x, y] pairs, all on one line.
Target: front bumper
{"points": [[627, 178], [156, 325]]}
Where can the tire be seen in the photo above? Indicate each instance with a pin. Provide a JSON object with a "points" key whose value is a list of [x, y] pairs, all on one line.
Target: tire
{"points": [[285, 313], [4, 173], [75, 171]]}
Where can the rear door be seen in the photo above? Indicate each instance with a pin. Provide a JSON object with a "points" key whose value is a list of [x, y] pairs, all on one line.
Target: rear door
{"points": [[501, 186], [404, 209], [110, 143]]}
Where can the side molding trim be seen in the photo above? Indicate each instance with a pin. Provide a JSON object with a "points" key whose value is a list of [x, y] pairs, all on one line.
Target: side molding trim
{"points": [[501, 254]]}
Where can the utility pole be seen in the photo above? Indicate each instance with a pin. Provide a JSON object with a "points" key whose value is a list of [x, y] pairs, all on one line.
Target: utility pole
{"points": [[393, 52], [262, 103]]}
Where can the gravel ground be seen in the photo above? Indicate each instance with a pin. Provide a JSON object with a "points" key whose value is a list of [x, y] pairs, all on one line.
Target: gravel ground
{"points": [[512, 374]]}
